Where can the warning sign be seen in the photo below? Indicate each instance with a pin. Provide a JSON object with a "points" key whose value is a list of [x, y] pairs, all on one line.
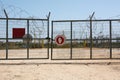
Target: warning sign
{"points": [[60, 39]]}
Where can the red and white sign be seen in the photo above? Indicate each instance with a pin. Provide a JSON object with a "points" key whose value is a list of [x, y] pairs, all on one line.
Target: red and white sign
{"points": [[60, 39]]}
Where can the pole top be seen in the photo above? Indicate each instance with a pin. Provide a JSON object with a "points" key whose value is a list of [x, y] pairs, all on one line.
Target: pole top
{"points": [[5, 13]]}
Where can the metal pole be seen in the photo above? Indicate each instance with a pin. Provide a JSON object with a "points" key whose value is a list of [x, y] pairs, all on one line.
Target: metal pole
{"points": [[48, 17], [110, 22], [71, 41], [91, 40], [6, 34], [51, 40], [28, 39]]}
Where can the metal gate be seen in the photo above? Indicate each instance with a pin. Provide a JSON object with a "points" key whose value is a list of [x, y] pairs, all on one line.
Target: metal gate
{"points": [[86, 39], [24, 38]]}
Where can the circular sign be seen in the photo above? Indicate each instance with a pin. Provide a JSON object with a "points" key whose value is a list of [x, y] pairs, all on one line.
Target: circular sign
{"points": [[60, 39]]}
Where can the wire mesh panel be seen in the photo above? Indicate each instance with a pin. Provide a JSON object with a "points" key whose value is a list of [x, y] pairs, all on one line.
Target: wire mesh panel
{"points": [[2, 39], [80, 40], [2, 49], [22, 38], [101, 39], [16, 47], [2, 29], [62, 51], [39, 43], [116, 39]]}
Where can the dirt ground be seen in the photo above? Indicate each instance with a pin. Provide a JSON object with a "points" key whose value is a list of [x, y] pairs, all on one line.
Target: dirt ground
{"points": [[58, 69]]}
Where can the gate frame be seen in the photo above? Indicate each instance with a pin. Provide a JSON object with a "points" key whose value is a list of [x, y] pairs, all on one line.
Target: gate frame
{"points": [[90, 58], [25, 19]]}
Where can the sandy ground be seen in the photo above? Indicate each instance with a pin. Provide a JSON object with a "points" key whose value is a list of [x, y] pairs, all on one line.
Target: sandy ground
{"points": [[40, 70], [59, 69]]}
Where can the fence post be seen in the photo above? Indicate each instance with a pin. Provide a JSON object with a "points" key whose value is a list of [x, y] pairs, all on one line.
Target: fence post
{"points": [[6, 33], [71, 40], [91, 40], [110, 23], [28, 38], [48, 18], [51, 39]]}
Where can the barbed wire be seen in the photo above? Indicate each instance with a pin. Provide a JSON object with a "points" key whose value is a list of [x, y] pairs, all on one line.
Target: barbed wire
{"points": [[16, 12], [13, 11], [115, 17]]}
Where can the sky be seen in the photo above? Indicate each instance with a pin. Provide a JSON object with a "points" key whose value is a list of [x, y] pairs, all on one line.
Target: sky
{"points": [[68, 9]]}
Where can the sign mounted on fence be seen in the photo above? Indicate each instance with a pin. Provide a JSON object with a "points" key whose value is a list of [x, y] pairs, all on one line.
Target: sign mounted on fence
{"points": [[60, 40], [18, 33]]}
